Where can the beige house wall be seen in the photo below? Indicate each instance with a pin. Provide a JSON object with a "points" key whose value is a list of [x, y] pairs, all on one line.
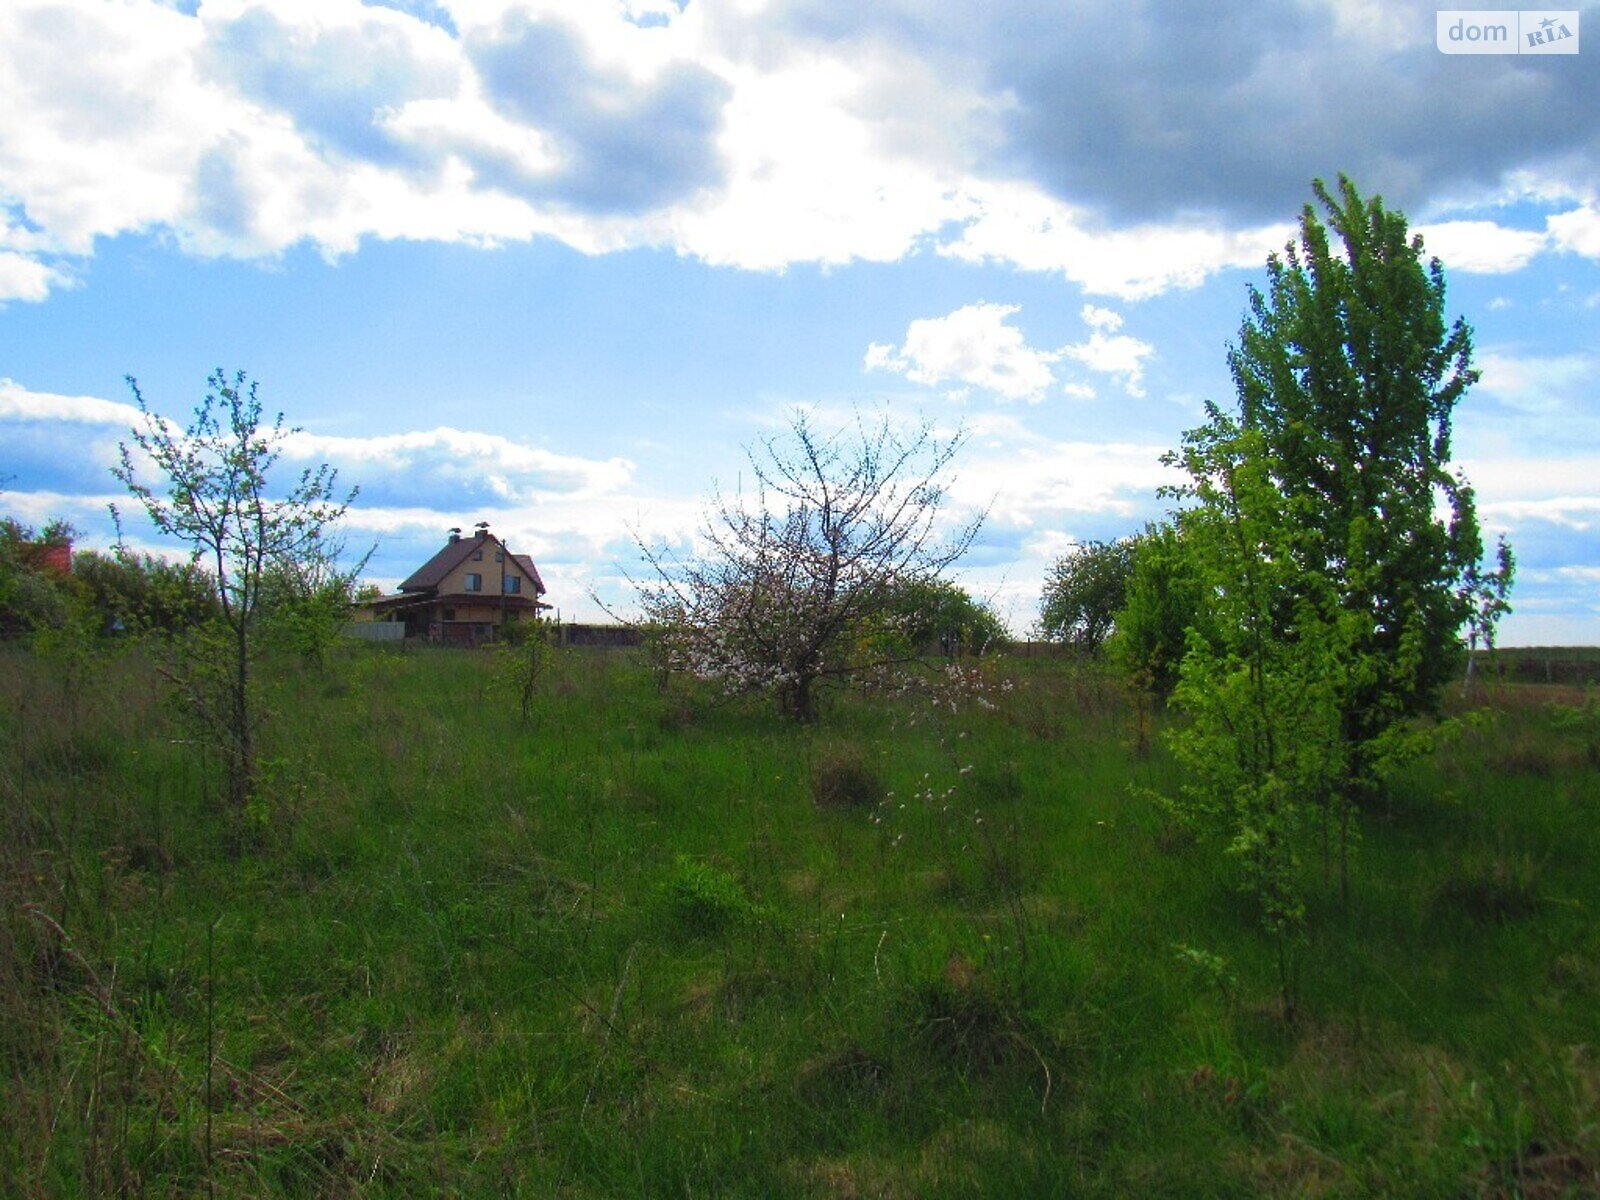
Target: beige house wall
{"points": [[456, 581], [488, 614]]}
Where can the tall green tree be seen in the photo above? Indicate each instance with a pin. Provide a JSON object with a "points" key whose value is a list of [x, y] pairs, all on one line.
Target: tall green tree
{"points": [[1084, 591], [217, 490], [1337, 554], [1348, 375]]}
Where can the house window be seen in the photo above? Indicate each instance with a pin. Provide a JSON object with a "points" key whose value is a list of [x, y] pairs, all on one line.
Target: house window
{"points": [[477, 556], [513, 585], [499, 556], [449, 614], [474, 582]]}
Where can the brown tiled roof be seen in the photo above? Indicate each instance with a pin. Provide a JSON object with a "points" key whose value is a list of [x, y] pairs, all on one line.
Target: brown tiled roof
{"points": [[433, 572], [525, 561]]}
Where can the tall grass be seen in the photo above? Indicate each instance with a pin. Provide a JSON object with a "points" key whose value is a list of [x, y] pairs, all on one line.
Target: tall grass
{"points": [[649, 943]]}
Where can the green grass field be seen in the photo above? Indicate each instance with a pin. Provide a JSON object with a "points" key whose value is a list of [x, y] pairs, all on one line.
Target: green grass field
{"points": [[649, 944]]}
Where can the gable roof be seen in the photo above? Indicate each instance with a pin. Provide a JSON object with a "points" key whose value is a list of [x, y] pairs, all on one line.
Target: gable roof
{"points": [[525, 561], [432, 573]]}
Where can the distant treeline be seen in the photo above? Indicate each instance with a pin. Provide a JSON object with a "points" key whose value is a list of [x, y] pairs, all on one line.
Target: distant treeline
{"points": [[1578, 665], [571, 633]]}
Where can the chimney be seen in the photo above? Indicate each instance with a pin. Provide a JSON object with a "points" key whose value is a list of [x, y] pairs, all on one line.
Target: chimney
{"points": [[455, 534], [482, 528]]}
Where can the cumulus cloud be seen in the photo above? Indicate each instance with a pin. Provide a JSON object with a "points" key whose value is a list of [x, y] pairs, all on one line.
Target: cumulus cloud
{"points": [[1110, 352], [977, 346], [1481, 247], [338, 69], [621, 143], [26, 278], [1130, 155], [1231, 109], [444, 458], [1046, 482], [18, 403], [974, 345], [1577, 513], [1578, 230], [478, 463], [1021, 225]]}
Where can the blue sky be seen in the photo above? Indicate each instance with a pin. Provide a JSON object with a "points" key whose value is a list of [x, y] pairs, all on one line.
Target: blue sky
{"points": [[554, 265]]}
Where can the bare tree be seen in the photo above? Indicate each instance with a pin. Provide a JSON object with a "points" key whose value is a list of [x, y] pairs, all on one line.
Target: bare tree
{"points": [[215, 496], [797, 585]]}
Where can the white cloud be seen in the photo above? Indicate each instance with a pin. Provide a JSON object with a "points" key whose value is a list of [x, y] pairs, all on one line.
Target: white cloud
{"points": [[1110, 352], [1577, 513], [1041, 481], [1529, 477], [25, 278], [35, 507], [1481, 247], [512, 470], [17, 403], [807, 180], [975, 345], [723, 131], [507, 468], [1587, 576], [1577, 230], [106, 120], [1020, 225], [1537, 384]]}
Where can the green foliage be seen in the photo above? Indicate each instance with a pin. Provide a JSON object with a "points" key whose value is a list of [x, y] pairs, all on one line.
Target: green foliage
{"points": [[306, 598], [706, 899], [1346, 370], [522, 659], [216, 493], [1165, 598], [1336, 591], [1261, 748], [1213, 968], [30, 596], [139, 593], [931, 615], [1084, 591]]}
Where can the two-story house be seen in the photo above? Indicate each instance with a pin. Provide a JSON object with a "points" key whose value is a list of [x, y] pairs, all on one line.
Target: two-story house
{"points": [[465, 593]]}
